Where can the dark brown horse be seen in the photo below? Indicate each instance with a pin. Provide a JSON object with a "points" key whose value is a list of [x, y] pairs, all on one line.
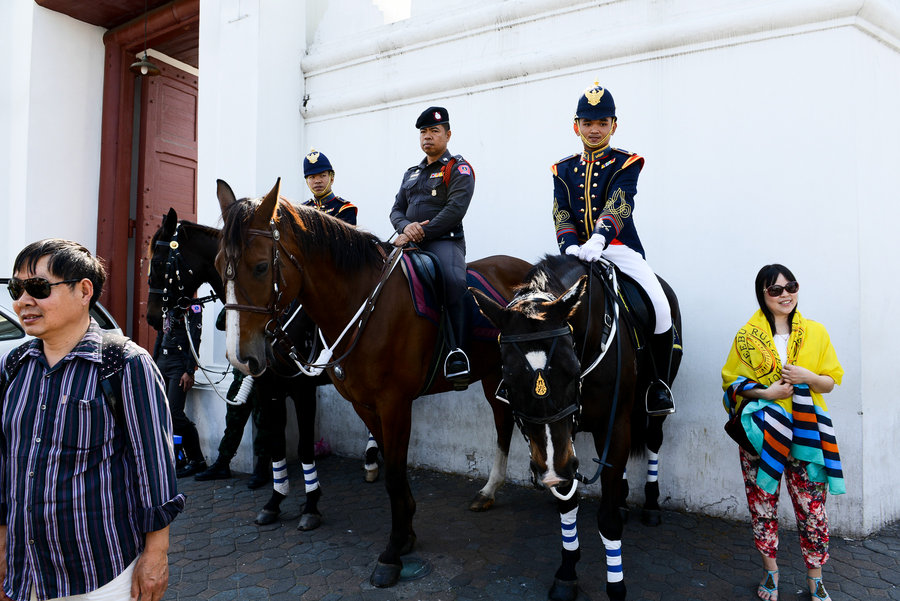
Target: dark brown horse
{"points": [[176, 273], [569, 365], [273, 251]]}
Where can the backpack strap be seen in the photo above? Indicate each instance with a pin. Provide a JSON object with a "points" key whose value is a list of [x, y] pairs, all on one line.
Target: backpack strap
{"points": [[113, 353], [13, 363]]}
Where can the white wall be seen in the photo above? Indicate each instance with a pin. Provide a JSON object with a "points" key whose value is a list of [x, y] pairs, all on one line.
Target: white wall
{"points": [[50, 125], [767, 129]]}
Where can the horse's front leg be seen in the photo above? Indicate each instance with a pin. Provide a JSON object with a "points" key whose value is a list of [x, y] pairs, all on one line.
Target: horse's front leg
{"points": [[651, 514], [395, 419], [565, 582], [503, 423], [611, 525], [304, 396]]}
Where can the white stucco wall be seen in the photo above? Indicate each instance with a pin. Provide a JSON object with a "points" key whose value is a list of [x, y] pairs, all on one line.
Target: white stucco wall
{"points": [[767, 129], [50, 110]]}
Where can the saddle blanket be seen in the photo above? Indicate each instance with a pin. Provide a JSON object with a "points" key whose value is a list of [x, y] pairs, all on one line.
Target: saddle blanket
{"points": [[427, 305]]}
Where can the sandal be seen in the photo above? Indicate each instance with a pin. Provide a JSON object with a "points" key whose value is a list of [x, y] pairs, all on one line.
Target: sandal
{"points": [[819, 594], [768, 587]]}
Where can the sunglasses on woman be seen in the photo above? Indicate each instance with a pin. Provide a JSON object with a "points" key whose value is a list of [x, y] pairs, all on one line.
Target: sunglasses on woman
{"points": [[38, 288], [775, 290]]}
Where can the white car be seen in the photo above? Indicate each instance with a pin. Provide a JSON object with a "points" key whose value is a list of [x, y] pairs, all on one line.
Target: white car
{"points": [[12, 334]]}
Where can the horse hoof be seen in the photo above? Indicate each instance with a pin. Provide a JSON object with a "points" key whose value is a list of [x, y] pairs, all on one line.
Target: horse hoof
{"points": [[481, 502], [563, 590], [616, 590], [309, 521], [385, 575], [651, 517], [410, 543], [266, 517], [372, 475]]}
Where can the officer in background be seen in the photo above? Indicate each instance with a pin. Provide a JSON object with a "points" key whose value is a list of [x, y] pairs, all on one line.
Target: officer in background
{"points": [[593, 210], [428, 210], [319, 176]]}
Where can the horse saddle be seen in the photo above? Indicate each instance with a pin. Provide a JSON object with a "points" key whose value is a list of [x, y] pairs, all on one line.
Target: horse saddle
{"points": [[638, 309], [426, 285]]}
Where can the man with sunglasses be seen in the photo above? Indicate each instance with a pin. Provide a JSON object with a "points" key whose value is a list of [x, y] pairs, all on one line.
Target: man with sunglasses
{"points": [[87, 486], [593, 205]]}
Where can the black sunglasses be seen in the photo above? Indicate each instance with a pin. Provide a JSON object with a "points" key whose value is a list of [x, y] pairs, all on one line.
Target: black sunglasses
{"points": [[775, 290], [35, 287]]}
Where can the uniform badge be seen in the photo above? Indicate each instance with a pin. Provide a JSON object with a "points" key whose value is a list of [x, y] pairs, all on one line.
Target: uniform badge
{"points": [[434, 192], [464, 170], [594, 95], [608, 163], [437, 116], [436, 174], [313, 156]]}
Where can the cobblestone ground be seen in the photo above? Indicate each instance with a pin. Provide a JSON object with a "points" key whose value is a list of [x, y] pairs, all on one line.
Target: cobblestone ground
{"points": [[508, 553]]}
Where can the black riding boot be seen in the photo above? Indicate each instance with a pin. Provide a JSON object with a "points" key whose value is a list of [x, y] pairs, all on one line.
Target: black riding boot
{"points": [[659, 399], [456, 365]]}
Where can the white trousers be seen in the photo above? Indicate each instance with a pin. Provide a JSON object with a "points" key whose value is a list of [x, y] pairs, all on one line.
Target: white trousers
{"points": [[117, 589], [633, 265]]}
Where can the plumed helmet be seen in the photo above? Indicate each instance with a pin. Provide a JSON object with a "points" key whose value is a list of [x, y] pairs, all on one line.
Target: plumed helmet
{"points": [[433, 115], [315, 162], [595, 103]]}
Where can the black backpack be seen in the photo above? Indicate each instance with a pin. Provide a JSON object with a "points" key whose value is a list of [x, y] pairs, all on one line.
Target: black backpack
{"points": [[113, 351]]}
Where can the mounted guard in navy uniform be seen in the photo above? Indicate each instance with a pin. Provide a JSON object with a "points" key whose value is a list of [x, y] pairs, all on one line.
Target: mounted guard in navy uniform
{"points": [[319, 175], [428, 210], [593, 208]]}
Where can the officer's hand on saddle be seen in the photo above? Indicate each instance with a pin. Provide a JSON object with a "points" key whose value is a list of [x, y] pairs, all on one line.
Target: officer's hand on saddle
{"points": [[401, 240], [414, 231], [573, 250], [592, 250]]}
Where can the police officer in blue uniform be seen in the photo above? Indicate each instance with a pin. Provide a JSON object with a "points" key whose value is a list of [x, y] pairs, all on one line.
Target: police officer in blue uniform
{"points": [[428, 210], [593, 208], [319, 176]]}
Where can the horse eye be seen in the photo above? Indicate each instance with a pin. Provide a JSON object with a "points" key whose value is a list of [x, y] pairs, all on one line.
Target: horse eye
{"points": [[261, 268]]}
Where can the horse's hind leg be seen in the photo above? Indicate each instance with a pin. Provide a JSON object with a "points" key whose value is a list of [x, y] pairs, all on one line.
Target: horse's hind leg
{"points": [[272, 419], [503, 423], [565, 582], [609, 519], [651, 514], [370, 461], [304, 396]]}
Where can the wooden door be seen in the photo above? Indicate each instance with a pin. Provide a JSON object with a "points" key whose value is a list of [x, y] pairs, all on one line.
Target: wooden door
{"points": [[167, 172]]}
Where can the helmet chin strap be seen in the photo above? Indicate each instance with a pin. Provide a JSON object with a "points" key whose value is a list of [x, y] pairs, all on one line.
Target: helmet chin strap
{"points": [[601, 144]]}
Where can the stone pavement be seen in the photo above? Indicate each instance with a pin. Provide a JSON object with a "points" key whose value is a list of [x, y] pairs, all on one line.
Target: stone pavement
{"points": [[508, 553]]}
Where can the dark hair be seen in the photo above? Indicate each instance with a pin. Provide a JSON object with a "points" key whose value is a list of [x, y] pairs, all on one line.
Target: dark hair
{"points": [[765, 278], [66, 259]]}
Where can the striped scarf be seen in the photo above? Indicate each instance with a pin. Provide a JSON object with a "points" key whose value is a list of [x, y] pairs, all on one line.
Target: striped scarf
{"points": [[798, 426]]}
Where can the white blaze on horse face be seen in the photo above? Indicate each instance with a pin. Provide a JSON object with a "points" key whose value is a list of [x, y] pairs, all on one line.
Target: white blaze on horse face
{"points": [[536, 359], [550, 478], [233, 329]]}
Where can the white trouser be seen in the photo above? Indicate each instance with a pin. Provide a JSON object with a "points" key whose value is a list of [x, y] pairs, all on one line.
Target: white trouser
{"points": [[117, 589], [634, 266]]}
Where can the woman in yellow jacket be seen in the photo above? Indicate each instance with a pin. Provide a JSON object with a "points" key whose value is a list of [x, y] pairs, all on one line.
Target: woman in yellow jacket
{"points": [[778, 368]]}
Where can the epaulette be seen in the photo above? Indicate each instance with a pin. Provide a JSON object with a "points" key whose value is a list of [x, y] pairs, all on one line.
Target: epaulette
{"points": [[561, 161], [632, 157]]}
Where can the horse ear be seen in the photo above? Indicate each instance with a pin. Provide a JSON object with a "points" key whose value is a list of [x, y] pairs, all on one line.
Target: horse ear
{"points": [[225, 195], [489, 308], [568, 302], [270, 203], [170, 221]]}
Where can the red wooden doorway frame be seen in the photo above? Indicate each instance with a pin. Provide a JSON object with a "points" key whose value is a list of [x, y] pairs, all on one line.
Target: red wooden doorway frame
{"points": [[114, 225]]}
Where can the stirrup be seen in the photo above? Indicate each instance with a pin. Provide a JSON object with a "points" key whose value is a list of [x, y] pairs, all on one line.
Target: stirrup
{"points": [[456, 354], [820, 593], [656, 412]]}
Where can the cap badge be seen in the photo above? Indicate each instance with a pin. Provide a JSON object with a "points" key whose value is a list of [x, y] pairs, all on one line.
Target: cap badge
{"points": [[313, 156], [437, 115], [594, 95]]}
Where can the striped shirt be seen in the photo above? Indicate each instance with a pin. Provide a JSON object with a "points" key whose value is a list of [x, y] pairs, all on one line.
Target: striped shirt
{"points": [[78, 488]]}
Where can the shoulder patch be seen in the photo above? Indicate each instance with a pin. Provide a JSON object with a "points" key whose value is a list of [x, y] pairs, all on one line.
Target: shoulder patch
{"points": [[464, 169]]}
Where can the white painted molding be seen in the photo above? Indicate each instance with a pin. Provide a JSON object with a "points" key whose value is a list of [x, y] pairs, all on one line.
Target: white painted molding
{"points": [[688, 26]]}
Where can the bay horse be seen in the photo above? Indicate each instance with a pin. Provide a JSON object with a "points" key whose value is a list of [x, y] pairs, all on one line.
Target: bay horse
{"points": [[273, 251], [559, 379], [175, 274]]}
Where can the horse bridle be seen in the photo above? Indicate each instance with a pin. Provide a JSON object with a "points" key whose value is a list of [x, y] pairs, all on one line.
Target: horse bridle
{"points": [[175, 261]]}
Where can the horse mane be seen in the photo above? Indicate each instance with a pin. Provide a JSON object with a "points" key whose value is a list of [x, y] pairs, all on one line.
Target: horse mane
{"points": [[553, 274], [317, 234], [187, 227]]}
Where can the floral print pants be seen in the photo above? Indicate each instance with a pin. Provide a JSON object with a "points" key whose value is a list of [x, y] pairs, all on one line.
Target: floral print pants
{"points": [[809, 506]]}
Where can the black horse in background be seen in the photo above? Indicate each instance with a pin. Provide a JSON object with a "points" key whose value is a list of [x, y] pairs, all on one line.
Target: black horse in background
{"points": [[571, 363], [176, 273]]}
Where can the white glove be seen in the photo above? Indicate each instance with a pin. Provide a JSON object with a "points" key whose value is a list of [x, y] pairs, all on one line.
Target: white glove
{"points": [[573, 249], [592, 249]]}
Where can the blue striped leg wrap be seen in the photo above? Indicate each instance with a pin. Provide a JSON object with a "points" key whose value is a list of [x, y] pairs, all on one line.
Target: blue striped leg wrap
{"points": [[280, 477], [613, 560], [310, 476], [652, 466], [569, 527]]}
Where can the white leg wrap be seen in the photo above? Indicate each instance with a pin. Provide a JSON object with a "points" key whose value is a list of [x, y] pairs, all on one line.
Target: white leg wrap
{"points": [[652, 466], [280, 478], [310, 476], [624, 474], [371, 443], [613, 560], [568, 525]]}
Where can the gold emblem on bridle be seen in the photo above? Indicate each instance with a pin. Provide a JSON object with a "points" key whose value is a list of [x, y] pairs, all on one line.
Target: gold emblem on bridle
{"points": [[594, 95], [540, 387], [313, 156]]}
